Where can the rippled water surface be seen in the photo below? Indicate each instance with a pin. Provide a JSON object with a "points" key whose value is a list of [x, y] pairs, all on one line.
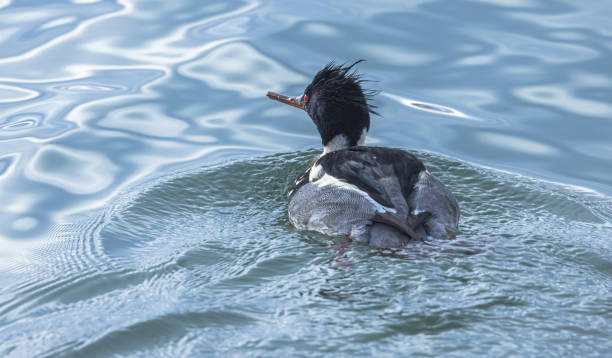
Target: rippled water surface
{"points": [[143, 179]]}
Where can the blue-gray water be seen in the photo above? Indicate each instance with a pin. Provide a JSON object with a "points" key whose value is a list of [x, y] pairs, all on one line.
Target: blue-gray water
{"points": [[143, 179]]}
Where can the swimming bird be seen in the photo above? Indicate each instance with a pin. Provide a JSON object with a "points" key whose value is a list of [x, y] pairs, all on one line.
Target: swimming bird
{"points": [[381, 196]]}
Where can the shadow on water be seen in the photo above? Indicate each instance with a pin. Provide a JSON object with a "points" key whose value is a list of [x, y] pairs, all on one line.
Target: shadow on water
{"points": [[187, 261]]}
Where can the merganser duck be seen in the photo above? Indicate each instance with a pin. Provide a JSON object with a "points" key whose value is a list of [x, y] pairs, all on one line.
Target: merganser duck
{"points": [[380, 196]]}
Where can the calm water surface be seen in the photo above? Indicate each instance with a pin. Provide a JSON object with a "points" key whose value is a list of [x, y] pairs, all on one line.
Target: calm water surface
{"points": [[143, 179]]}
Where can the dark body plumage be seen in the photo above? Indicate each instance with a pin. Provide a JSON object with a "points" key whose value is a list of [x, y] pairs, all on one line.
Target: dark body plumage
{"points": [[365, 166], [381, 196]]}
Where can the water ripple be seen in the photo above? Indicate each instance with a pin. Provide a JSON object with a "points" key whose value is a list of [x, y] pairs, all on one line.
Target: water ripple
{"points": [[189, 246]]}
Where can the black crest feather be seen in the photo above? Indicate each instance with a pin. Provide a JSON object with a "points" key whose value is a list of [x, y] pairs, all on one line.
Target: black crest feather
{"points": [[342, 74], [338, 104]]}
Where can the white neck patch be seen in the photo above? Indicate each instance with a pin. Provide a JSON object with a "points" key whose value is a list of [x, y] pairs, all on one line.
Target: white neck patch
{"points": [[340, 142], [362, 137], [336, 143]]}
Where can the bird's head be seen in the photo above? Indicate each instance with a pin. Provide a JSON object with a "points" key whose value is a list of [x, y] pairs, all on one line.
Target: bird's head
{"points": [[337, 104]]}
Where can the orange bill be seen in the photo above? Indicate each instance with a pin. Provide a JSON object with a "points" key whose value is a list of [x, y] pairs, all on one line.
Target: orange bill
{"points": [[292, 101]]}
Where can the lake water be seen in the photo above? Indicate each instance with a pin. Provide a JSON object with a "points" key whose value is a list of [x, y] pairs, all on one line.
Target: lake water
{"points": [[143, 179]]}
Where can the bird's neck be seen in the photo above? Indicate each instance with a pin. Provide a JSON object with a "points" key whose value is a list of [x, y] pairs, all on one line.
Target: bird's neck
{"points": [[341, 141]]}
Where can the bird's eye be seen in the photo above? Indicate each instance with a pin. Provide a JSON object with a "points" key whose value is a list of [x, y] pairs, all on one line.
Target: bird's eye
{"points": [[305, 99]]}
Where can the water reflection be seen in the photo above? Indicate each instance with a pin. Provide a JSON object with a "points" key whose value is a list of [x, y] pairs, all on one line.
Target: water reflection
{"points": [[21, 121], [561, 99], [240, 68], [78, 172], [87, 87], [394, 55], [31, 27], [519, 144], [6, 163], [10, 94], [428, 107], [144, 119]]}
